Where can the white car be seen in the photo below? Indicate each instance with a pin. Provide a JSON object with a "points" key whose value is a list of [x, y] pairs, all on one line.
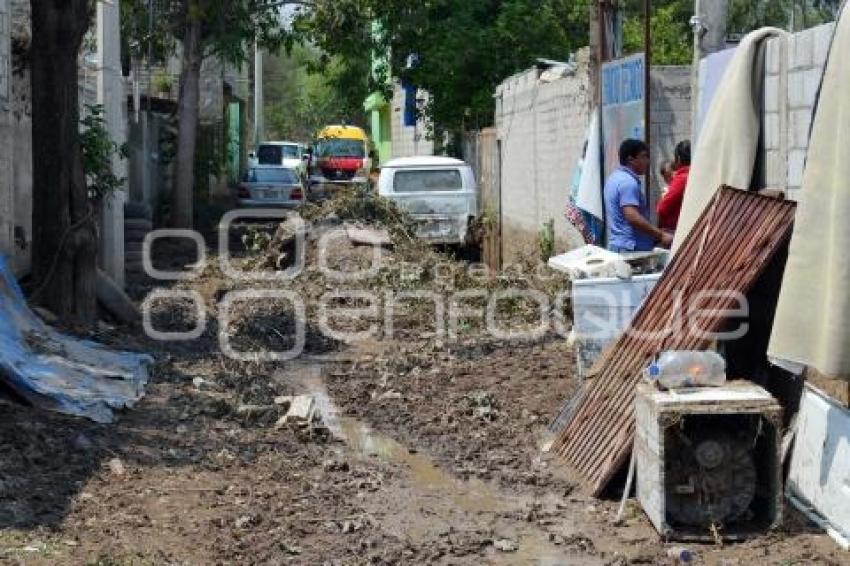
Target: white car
{"points": [[279, 153], [439, 192]]}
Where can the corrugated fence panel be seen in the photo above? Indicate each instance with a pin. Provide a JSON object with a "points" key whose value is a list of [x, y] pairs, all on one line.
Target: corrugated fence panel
{"points": [[727, 251]]}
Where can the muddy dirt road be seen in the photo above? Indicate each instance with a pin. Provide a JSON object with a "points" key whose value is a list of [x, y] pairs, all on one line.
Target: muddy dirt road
{"points": [[431, 455]]}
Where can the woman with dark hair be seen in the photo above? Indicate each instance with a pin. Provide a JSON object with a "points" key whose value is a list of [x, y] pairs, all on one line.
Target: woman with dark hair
{"points": [[670, 204]]}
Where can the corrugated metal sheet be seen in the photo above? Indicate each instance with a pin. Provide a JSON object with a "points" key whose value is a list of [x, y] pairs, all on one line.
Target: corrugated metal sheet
{"points": [[729, 248]]}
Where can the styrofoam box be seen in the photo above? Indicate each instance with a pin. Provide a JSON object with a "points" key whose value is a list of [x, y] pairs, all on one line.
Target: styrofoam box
{"points": [[602, 309]]}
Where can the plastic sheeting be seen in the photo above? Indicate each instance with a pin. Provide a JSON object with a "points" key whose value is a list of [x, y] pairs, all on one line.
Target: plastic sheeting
{"points": [[60, 373]]}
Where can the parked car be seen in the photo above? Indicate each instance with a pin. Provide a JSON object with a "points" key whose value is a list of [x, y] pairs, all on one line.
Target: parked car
{"points": [[339, 158], [273, 186], [439, 192], [281, 153]]}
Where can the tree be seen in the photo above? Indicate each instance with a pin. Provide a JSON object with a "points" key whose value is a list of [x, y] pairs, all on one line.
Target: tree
{"points": [[672, 42], [463, 48], [305, 92], [64, 251], [205, 28]]}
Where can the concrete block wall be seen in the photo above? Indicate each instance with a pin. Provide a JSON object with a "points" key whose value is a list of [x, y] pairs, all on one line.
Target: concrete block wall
{"points": [[541, 129], [793, 71], [408, 141], [670, 92]]}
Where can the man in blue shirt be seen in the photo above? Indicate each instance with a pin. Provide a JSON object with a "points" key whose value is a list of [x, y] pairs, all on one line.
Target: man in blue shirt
{"points": [[627, 206]]}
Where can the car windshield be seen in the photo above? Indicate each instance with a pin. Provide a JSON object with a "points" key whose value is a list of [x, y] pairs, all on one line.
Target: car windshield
{"points": [[290, 151], [271, 175], [340, 148], [427, 180]]}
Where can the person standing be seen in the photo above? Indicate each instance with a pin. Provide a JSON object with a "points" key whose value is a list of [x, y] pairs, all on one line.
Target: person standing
{"points": [[627, 206], [670, 204]]}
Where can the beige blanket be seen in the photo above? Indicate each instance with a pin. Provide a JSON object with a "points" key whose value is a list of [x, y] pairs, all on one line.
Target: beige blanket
{"points": [[729, 139], [812, 325]]}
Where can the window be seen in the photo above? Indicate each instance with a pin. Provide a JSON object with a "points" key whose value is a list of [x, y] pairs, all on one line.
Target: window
{"points": [[290, 152], [270, 155], [427, 180], [272, 175], [340, 148]]}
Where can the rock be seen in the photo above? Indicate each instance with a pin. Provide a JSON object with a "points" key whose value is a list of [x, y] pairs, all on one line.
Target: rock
{"points": [[116, 466], [182, 429], [83, 442], [389, 395], [244, 522], [335, 466], [202, 384], [284, 401], [505, 545]]}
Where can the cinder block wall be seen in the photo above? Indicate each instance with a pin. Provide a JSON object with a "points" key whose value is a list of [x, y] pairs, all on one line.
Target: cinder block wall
{"points": [[793, 71], [541, 129], [670, 119]]}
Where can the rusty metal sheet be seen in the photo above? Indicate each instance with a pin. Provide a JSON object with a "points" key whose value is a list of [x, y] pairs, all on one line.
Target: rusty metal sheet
{"points": [[727, 251]]}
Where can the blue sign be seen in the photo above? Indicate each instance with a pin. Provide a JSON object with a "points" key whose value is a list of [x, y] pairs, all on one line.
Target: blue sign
{"points": [[623, 95]]}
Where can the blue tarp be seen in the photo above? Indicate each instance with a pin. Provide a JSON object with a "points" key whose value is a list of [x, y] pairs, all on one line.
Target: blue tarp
{"points": [[58, 372]]}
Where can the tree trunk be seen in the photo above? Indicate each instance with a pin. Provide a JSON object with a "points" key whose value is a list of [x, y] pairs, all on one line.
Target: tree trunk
{"points": [[64, 251], [188, 109]]}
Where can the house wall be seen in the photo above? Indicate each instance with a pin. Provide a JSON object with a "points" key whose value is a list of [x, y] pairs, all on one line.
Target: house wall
{"points": [[408, 141], [541, 129], [793, 71], [670, 92], [21, 125], [794, 67], [7, 195]]}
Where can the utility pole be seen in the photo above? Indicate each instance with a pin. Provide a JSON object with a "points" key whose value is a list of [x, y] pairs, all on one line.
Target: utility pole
{"points": [[259, 97], [709, 27]]}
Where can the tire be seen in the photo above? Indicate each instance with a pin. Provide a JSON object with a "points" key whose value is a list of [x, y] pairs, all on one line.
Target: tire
{"points": [[135, 235], [133, 257], [138, 224], [137, 210]]}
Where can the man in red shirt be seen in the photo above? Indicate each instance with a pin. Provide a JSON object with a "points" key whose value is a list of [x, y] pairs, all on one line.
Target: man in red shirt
{"points": [[670, 204]]}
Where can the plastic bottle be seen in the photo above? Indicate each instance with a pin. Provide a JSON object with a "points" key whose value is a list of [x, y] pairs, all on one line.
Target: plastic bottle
{"points": [[681, 555], [682, 369]]}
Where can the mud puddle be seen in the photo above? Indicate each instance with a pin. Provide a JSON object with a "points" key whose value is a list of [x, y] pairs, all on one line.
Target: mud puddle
{"points": [[430, 504]]}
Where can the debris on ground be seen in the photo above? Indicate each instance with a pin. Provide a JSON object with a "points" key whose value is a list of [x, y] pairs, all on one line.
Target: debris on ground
{"points": [[433, 479], [361, 236], [57, 372], [505, 545]]}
